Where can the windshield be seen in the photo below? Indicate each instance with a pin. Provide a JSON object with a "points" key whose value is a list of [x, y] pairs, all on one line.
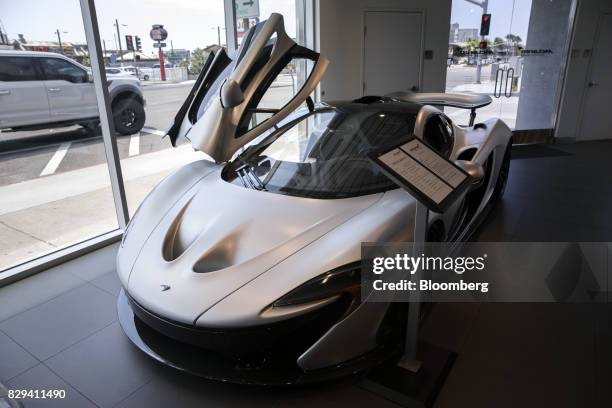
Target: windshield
{"points": [[323, 155]]}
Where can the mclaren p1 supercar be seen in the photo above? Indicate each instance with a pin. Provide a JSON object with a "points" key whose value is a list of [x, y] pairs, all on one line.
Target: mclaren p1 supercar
{"points": [[245, 266]]}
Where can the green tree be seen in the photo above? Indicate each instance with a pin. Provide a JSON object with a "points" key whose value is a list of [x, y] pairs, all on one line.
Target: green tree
{"points": [[196, 62], [472, 44]]}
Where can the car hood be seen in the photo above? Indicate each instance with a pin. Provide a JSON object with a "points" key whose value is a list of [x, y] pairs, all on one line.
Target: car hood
{"points": [[221, 236]]}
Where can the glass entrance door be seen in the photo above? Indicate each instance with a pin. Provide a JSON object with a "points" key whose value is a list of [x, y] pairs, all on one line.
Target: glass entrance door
{"points": [[519, 64]]}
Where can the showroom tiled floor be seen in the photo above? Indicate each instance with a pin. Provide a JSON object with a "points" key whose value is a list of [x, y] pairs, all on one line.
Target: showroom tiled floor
{"points": [[59, 329]]}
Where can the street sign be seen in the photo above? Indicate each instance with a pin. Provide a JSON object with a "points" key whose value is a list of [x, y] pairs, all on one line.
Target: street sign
{"points": [[429, 177], [159, 45], [247, 8], [113, 58], [158, 32]]}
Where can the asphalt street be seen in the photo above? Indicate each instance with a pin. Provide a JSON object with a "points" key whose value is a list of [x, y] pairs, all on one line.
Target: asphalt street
{"points": [[40, 153]]}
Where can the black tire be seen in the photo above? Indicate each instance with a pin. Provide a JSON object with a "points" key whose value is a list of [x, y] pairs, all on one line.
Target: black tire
{"points": [[146, 77], [504, 172], [128, 115]]}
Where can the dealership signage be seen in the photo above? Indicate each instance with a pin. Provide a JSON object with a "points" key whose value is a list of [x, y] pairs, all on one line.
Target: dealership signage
{"points": [[247, 8], [158, 32], [429, 177]]}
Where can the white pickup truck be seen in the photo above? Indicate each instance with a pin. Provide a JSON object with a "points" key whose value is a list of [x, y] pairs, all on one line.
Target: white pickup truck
{"points": [[42, 90]]}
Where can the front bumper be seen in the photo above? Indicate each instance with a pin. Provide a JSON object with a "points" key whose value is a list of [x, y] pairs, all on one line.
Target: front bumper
{"points": [[260, 356]]}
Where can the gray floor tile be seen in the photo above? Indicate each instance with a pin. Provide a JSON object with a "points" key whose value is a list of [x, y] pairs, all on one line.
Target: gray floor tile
{"points": [[105, 367], [13, 358], [109, 282], [525, 355], [37, 289], [172, 388], [57, 324], [96, 264], [185, 391], [41, 378], [332, 395]]}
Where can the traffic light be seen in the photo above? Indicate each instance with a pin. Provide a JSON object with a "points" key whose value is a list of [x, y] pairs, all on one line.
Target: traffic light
{"points": [[485, 24], [138, 43], [129, 42], [482, 45]]}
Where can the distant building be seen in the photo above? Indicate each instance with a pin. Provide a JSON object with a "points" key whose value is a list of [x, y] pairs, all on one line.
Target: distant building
{"points": [[175, 56], [76, 51], [5, 44], [461, 35]]}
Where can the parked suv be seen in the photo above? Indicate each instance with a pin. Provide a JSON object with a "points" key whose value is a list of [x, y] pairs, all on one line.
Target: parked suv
{"points": [[43, 89]]}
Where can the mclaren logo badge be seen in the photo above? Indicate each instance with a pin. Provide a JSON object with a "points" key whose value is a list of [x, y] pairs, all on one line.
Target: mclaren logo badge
{"points": [[164, 287]]}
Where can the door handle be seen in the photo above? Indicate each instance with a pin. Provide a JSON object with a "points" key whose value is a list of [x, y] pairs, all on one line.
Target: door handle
{"points": [[499, 78], [509, 78], [593, 84], [54, 89], [5, 92]]}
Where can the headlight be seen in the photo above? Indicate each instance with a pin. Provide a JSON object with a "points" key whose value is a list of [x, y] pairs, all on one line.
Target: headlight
{"points": [[343, 280]]}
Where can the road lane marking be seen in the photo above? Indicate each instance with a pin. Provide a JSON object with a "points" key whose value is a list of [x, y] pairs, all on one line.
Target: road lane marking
{"points": [[153, 131], [134, 149], [56, 159]]}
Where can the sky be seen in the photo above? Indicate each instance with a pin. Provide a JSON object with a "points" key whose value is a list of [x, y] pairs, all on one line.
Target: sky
{"points": [[193, 23], [190, 23], [507, 16]]}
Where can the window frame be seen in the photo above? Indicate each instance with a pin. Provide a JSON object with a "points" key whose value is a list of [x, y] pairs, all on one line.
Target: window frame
{"points": [[306, 32]]}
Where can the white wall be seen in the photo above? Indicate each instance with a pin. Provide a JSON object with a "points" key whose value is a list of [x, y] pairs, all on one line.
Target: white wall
{"points": [[577, 73], [340, 38]]}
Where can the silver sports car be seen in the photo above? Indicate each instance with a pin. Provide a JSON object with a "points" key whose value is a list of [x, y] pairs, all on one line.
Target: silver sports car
{"points": [[244, 266]]}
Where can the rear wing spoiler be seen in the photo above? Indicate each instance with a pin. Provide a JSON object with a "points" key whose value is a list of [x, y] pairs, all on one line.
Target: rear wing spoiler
{"points": [[454, 100]]}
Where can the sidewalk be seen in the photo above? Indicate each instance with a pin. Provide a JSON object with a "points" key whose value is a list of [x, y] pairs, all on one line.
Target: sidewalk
{"points": [[41, 215], [156, 82]]}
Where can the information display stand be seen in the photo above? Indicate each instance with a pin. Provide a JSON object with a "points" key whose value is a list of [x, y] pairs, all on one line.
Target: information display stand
{"points": [[416, 378]]}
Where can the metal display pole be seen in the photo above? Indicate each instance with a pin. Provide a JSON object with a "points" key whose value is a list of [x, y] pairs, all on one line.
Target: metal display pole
{"points": [[414, 378], [409, 359]]}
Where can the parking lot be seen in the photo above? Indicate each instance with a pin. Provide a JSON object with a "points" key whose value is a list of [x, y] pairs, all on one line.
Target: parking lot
{"points": [[32, 154], [63, 171]]}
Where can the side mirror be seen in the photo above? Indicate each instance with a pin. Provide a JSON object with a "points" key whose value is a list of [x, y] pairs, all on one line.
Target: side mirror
{"points": [[475, 170], [231, 94]]}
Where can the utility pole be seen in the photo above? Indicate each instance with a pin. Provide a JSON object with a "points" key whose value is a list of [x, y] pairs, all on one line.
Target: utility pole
{"points": [[218, 28], [119, 40], [484, 5], [59, 40]]}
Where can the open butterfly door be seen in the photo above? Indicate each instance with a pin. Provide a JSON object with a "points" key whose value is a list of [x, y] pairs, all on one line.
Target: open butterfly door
{"points": [[218, 116]]}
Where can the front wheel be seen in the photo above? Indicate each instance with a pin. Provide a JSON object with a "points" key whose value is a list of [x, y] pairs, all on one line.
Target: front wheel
{"points": [[128, 115], [146, 77], [504, 172]]}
